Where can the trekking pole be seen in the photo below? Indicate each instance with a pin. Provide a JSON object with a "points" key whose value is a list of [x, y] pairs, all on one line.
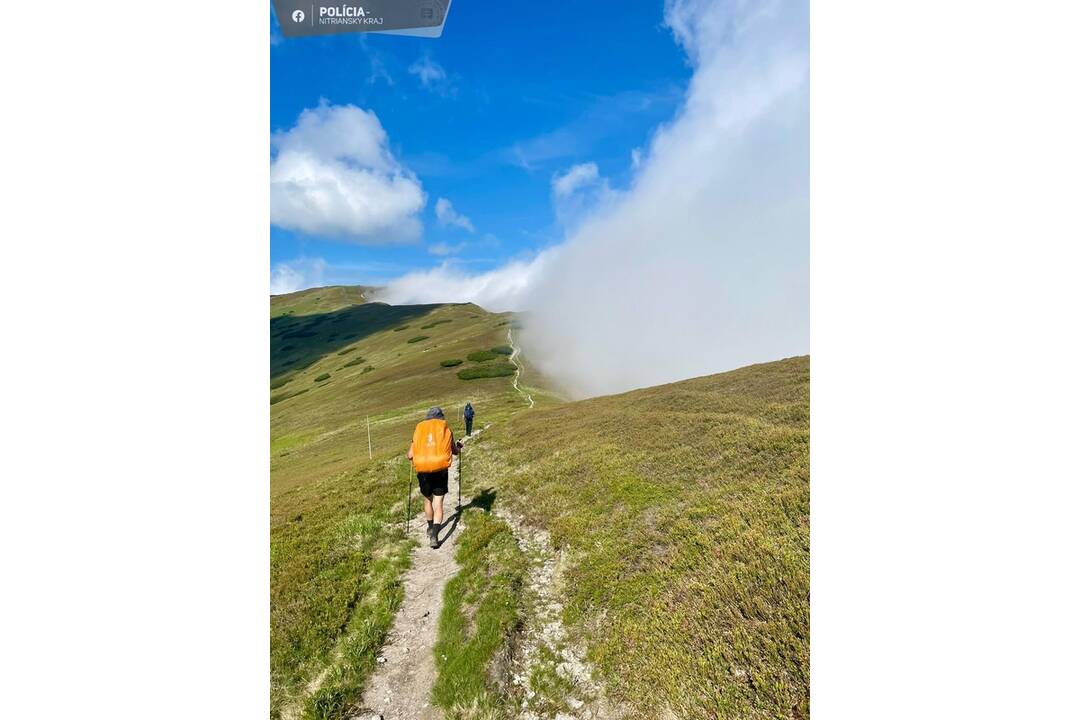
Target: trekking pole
{"points": [[460, 464], [408, 501]]}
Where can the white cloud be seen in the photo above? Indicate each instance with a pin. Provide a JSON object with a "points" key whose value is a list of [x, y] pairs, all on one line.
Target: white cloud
{"points": [[575, 178], [443, 249], [498, 290], [432, 75], [447, 216], [379, 71], [299, 274], [635, 158], [701, 264], [334, 176], [380, 67], [596, 124], [307, 272], [579, 193]]}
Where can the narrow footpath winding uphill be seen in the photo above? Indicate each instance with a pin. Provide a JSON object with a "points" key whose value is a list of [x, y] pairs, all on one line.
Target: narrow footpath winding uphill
{"points": [[401, 685]]}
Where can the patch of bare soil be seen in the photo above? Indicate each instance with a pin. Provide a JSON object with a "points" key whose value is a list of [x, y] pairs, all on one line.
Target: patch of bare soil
{"points": [[568, 692]]}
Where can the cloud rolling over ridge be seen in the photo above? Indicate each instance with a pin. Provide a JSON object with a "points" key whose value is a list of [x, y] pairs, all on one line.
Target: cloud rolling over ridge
{"points": [[702, 263]]}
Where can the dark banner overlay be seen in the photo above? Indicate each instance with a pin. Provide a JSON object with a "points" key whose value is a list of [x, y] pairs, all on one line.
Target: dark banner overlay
{"points": [[423, 18]]}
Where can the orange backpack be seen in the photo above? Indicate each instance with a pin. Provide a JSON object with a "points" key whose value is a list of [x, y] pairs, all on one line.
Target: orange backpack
{"points": [[431, 446]]}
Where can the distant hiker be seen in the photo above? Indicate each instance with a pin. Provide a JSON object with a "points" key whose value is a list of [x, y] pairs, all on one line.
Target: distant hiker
{"points": [[431, 452], [469, 414]]}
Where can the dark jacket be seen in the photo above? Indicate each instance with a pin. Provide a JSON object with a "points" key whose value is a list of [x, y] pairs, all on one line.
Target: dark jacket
{"points": [[469, 413]]}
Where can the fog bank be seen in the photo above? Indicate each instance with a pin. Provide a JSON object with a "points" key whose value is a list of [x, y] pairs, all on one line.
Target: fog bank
{"points": [[701, 264]]}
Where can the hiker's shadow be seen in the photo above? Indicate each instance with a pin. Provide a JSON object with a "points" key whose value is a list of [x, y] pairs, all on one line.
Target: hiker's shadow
{"points": [[485, 500]]}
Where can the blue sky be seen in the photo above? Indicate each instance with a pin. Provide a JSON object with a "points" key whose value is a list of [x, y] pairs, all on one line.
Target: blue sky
{"points": [[629, 176], [510, 96]]}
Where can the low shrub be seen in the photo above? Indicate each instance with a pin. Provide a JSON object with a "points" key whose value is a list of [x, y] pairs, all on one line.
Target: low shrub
{"points": [[324, 376], [488, 371], [280, 382], [399, 329], [367, 370], [418, 338], [451, 363], [482, 356], [434, 323], [347, 350], [355, 361], [503, 350]]}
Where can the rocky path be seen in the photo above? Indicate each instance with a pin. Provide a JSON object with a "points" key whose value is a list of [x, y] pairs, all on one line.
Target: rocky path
{"points": [[400, 689], [545, 646]]}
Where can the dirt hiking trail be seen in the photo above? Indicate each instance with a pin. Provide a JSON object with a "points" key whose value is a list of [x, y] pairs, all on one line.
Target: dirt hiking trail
{"points": [[400, 689], [519, 365]]}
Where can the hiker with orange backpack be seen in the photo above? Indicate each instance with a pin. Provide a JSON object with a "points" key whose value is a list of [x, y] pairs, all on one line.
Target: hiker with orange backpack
{"points": [[431, 452]]}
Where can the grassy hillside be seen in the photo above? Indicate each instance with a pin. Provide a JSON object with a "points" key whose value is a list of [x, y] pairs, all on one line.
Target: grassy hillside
{"points": [[682, 510], [319, 300], [319, 427], [685, 511], [336, 556]]}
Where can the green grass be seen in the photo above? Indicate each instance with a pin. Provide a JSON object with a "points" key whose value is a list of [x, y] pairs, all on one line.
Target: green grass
{"points": [[481, 612], [503, 350], [274, 399], [487, 371], [434, 323], [335, 562], [418, 338], [285, 443], [482, 356], [686, 510], [298, 342], [406, 376], [683, 511], [352, 363], [321, 377], [550, 688], [451, 363], [280, 382], [332, 598], [318, 300]]}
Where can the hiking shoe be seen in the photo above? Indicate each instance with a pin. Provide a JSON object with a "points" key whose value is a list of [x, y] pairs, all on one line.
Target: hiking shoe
{"points": [[434, 536]]}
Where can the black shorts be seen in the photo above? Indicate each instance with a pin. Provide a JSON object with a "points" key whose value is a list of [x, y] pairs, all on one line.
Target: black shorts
{"points": [[434, 483]]}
